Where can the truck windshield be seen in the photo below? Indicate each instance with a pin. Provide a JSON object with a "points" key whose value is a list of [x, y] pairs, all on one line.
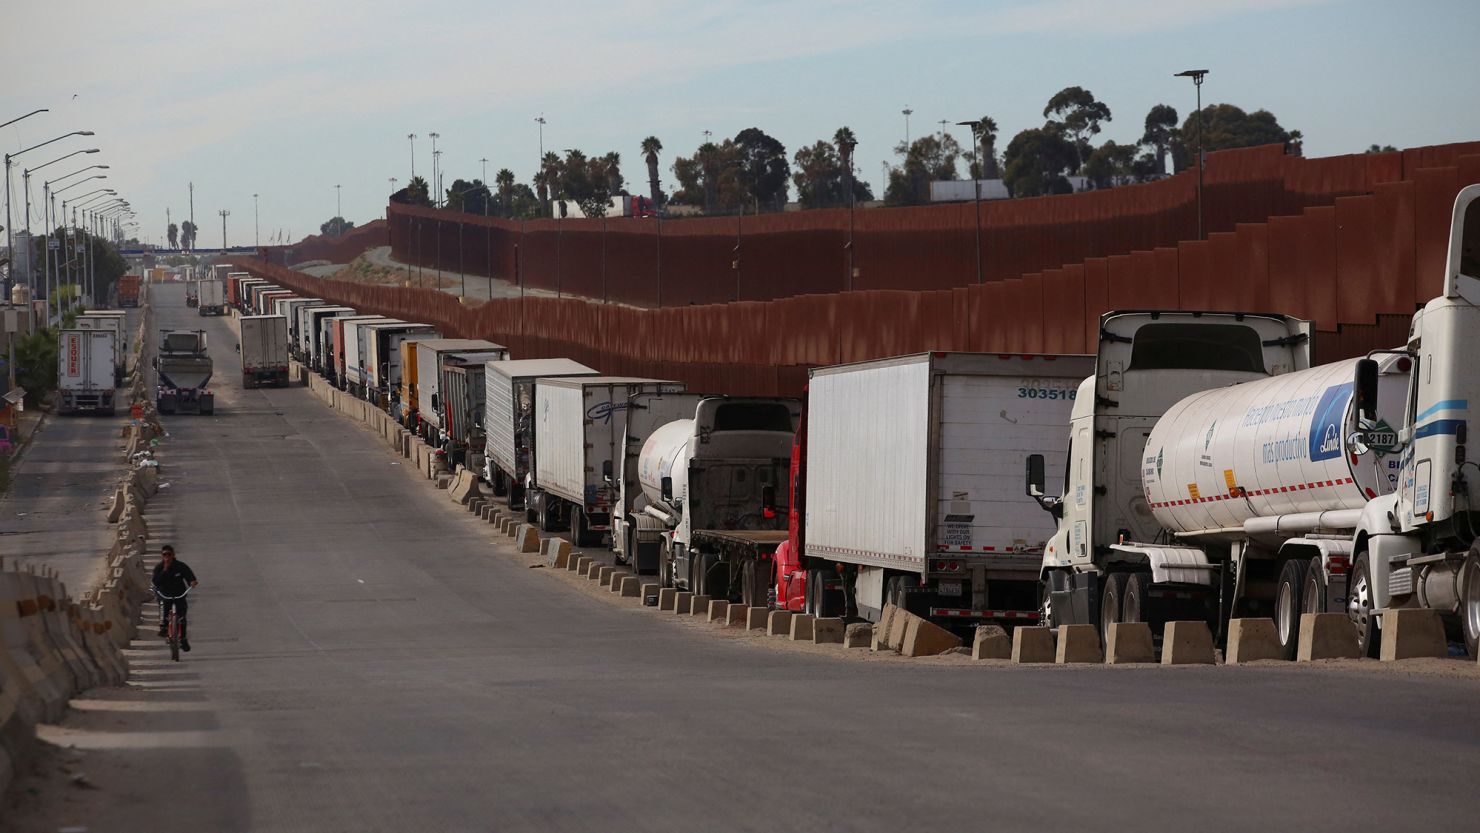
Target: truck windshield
{"points": [[1197, 347], [752, 416]]}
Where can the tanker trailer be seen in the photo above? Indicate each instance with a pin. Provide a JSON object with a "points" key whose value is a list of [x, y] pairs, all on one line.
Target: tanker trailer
{"points": [[710, 501], [1356, 470]]}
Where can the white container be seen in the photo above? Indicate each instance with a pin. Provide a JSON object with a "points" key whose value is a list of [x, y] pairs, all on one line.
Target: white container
{"points": [[354, 347], [382, 353], [264, 349], [116, 324], [310, 330], [211, 293], [1272, 447], [508, 409], [579, 424], [920, 455], [429, 353], [85, 371]]}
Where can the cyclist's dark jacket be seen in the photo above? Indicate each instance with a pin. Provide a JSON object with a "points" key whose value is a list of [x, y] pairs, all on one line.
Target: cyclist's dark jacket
{"points": [[173, 582]]}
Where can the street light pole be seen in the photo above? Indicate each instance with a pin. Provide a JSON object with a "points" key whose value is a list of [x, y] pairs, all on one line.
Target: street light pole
{"points": [[224, 214], [486, 193], [907, 111], [1197, 81], [256, 224], [338, 213], [9, 238], [436, 186]]}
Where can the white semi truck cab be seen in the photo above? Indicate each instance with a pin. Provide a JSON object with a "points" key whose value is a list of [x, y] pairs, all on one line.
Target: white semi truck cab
{"points": [[1220, 475]]}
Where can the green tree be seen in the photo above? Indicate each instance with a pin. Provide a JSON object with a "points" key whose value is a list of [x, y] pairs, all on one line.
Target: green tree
{"points": [[504, 179], [471, 197], [335, 226], [187, 235], [928, 159], [1037, 162], [418, 192], [763, 169], [650, 150], [36, 364], [548, 181], [1381, 149], [174, 234], [1161, 129], [1110, 165], [1076, 112], [983, 157], [1226, 127], [821, 175]]}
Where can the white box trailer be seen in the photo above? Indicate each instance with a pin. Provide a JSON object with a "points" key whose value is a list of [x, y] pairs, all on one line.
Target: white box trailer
{"points": [[352, 374], [210, 296], [290, 311], [912, 481], [382, 357], [508, 419], [264, 351], [85, 371], [312, 333], [581, 423], [115, 321], [429, 355]]}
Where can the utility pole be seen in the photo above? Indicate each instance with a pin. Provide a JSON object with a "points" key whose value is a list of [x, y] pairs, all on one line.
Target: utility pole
{"points": [[1197, 81], [192, 216], [256, 225], [412, 137], [487, 194], [338, 213], [224, 215], [907, 113], [436, 182]]}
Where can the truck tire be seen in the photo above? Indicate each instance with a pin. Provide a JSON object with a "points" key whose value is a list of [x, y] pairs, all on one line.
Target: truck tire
{"points": [[1287, 606], [665, 566], [1133, 600], [1110, 602], [1313, 597], [1469, 601], [756, 577], [821, 601], [1359, 607]]}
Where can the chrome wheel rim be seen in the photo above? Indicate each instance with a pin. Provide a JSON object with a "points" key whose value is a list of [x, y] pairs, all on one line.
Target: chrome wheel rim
{"points": [[1471, 602], [1284, 610], [1359, 605]]}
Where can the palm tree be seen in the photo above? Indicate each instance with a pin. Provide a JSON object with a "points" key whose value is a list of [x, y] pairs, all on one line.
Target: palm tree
{"points": [[846, 142], [549, 179], [613, 162], [987, 134], [708, 155], [505, 180], [650, 148]]}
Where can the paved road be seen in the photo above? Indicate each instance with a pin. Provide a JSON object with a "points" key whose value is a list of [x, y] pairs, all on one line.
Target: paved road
{"points": [[54, 512], [367, 660]]}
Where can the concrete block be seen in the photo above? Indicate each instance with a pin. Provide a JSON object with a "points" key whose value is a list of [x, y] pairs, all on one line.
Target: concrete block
{"points": [[573, 563], [801, 627], [616, 580], [991, 642], [898, 624], [630, 587], [650, 594], [718, 610], [1412, 632], [583, 564], [528, 538], [923, 638], [1032, 645], [1250, 640], [512, 528], [604, 576], [756, 618], [486, 511], [778, 623], [1327, 636], [464, 486], [1129, 642], [475, 505], [858, 635], [666, 597], [1077, 644], [444, 481], [1187, 643], [683, 603], [700, 606], [827, 631], [736, 616], [557, 552], [881, 629]]}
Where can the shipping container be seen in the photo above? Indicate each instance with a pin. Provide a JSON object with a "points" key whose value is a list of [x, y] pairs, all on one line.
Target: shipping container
{"points": [[508, 419], [264, 349], [85, 371]]}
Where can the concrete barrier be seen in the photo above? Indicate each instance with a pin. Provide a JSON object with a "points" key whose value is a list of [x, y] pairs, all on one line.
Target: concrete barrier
{"points": [[923, 638], [828, 631], [801, 627], [1128, 643], [1032, 645], [557, 552], [444, 481], [700, 605], [649, 594], [736, 615], [615, 583], [1187, 643], [1250, 640], [1078, 644], [603, 575], [718, 610], [1411, 632], [858, 635], [666, 597], [991, 642], [529, 538], [778, 623], [42, 674], [881, 628], [683, 603], [631, 587], [583, 565], [899, 623], [464, 486], [756, 618], [1327, 636]]}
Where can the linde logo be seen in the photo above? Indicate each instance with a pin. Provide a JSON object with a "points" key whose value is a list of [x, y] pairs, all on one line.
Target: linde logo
{"points": [[1325, 422]]}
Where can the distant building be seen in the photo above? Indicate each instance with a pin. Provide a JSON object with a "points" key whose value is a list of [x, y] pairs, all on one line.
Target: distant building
{"points": [[960, 190]]}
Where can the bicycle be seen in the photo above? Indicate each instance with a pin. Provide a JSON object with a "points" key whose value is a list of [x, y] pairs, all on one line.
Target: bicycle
{"points": [[173, 631]]}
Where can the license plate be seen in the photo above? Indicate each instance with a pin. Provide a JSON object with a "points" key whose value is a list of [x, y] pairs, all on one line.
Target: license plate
{"points": [[948, 588]]}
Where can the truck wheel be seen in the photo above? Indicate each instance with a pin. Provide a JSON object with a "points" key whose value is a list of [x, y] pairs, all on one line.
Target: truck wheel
{"points": [[578, 528], [1133, 601], [1287, 607], [1359, 607], [500, 484], [756, 589], [1110, 602], [1313, 597], [1469, 601]]}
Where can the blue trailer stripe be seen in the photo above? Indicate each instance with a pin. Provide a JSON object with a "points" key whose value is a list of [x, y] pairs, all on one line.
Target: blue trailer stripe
{"points": [[1437, 427], [1446, 405]]}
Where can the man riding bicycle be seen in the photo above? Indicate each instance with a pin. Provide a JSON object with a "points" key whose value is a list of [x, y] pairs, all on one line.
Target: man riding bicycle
{"points": [[171, 579]]}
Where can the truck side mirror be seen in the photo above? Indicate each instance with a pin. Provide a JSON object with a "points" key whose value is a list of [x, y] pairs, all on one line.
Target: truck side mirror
{"points": [[665, 488], [768, 502], [1365, 386], [1036, 476]]}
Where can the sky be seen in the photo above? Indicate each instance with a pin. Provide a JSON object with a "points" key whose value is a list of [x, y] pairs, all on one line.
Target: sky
{"points": [[287, 100]]}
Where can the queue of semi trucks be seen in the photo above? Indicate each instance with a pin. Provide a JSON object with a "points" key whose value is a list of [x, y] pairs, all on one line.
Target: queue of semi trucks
{"points": [[1197, 466]]}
